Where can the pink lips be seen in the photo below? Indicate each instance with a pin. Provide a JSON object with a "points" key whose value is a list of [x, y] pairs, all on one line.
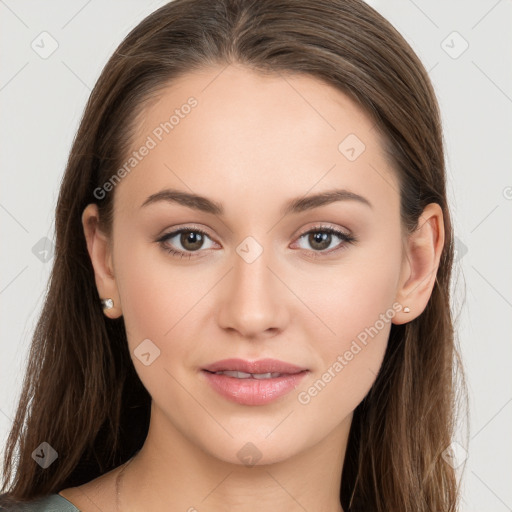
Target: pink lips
{"points": [[252, 391]]}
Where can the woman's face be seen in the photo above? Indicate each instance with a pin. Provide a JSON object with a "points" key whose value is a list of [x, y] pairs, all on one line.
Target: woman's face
{"points": [[265, 280]]}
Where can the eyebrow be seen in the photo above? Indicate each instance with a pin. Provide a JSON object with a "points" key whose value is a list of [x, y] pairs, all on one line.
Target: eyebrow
{"points": [[296, 205]]}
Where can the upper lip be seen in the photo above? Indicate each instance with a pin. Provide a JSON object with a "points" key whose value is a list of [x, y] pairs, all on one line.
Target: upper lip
{"points": [[260, 366]]}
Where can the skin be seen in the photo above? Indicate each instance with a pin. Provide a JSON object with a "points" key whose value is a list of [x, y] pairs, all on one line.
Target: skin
{"points": [[253, 143]]}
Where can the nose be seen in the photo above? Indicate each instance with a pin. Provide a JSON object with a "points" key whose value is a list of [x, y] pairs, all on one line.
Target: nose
{"points": [[253, 299]]}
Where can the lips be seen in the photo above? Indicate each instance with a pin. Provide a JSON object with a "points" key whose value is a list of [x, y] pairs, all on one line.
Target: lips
{"points": [[262, 366], [253, 382]]}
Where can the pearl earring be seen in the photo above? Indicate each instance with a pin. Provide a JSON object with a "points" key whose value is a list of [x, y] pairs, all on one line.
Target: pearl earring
{"points": [[406, 310], [107, 303]]}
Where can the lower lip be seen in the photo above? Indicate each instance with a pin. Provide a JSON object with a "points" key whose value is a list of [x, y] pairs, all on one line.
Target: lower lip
{"points": [[253, 391]]}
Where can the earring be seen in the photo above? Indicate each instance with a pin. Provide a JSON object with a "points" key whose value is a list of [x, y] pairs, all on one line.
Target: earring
{"points": [[107, 303], [406, 310]]}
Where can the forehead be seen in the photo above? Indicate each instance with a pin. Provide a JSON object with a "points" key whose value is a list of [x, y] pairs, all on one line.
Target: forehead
{"points": [[232, 133]]}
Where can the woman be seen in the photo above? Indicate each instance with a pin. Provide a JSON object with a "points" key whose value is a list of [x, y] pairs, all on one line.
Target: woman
{"points": [[249, 305]]}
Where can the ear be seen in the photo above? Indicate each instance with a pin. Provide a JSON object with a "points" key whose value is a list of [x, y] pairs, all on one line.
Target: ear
{"points": [[423, 249], [100, 252]]}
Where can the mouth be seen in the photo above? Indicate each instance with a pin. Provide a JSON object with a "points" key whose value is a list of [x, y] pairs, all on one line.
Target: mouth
{"points": [[256, 387]]}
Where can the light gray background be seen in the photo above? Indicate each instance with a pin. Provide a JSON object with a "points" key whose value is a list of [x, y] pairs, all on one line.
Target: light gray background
{"points": [[42, 101]]}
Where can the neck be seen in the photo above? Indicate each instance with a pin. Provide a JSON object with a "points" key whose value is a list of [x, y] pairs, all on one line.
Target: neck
{"points": [[171, 470]]}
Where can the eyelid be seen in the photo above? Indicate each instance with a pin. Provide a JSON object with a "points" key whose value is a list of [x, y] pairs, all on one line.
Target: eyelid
{"points": [[321, 227], [187, 227]]}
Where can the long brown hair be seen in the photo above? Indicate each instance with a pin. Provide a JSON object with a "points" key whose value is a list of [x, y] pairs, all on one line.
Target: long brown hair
{"points": [[81, 393]]}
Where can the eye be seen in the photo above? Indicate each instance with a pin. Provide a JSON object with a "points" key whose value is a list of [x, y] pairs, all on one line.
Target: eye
{"points": [[321, 238], [190, 239]]}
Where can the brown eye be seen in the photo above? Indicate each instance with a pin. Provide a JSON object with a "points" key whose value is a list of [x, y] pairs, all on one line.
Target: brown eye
{"points": [[320, 239], [186, 242]]}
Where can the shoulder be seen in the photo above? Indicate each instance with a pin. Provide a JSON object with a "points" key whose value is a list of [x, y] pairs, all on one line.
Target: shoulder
{"points": [[51, 503], [83, 498]]}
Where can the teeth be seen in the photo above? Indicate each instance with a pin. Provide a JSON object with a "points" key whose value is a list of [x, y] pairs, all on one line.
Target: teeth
{"points": [[238, 375], [243, 375], [265, 375]]}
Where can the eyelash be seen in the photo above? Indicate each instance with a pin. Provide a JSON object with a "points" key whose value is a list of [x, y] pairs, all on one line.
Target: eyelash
{"points": [[348, 239]]}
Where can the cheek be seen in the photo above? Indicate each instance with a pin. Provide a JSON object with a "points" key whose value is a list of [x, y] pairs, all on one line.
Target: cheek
{"points": [[348, 297], [157, 302], [155, 290], [353, 305], [360, 314]]}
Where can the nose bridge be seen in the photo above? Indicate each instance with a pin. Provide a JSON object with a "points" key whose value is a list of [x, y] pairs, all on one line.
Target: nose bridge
{"points": [[253, 302], [252, 279]]}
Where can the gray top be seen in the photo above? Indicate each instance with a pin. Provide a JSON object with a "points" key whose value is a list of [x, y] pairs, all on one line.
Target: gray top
{"points": [[51, 503]]}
